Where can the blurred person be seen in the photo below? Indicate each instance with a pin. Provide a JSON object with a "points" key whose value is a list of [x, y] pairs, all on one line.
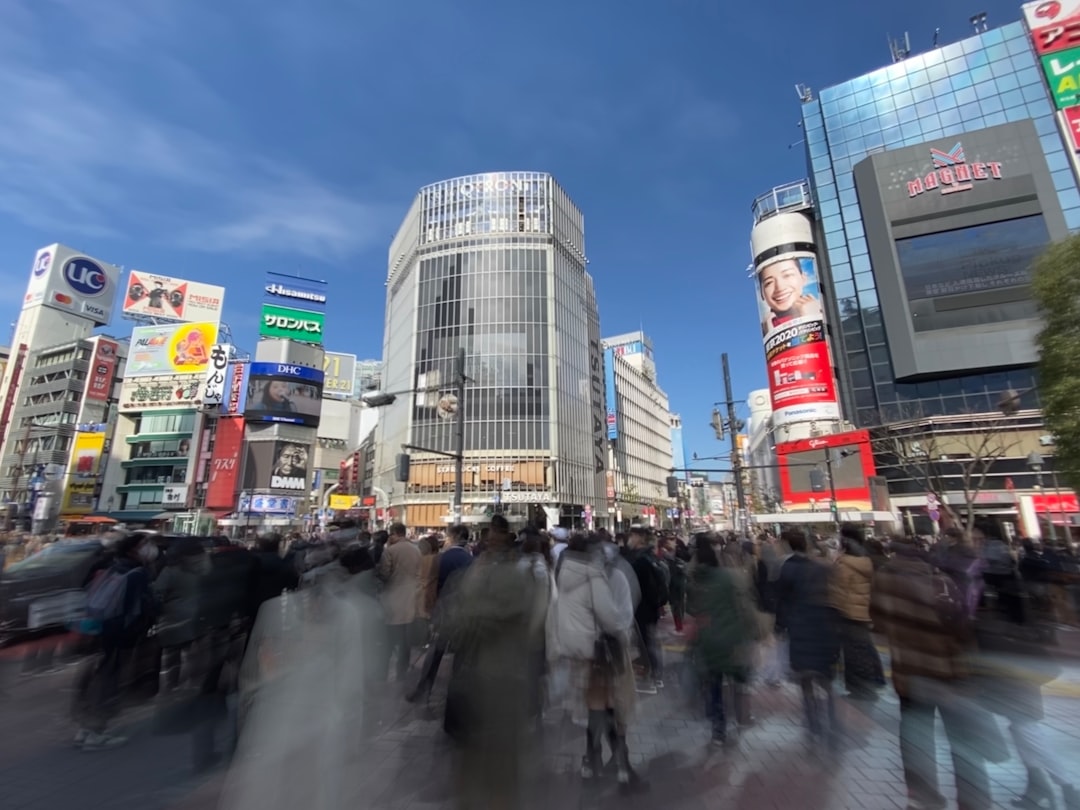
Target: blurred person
{"points": [[177, 592], [1000, 570], [399, 569], [956, 555], [121, 603], [774, 649], [922, 615], [489, 623], [804, 615], [536, 562], [559, 538], [589, 627], [378, 545], [654, 595], [273, 574], [676, 560], [429, 577], [850, 587], [724, 630]]}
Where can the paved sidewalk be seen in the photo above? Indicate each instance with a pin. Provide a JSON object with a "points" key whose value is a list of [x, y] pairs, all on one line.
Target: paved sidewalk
{"points": [[410, 764]]}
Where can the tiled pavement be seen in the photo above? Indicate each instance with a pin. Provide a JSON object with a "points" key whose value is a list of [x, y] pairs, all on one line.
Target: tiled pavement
{"points": [[409, 764]]}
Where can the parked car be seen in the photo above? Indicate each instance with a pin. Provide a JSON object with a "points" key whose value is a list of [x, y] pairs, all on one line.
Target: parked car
{"points": [[43, 592]]}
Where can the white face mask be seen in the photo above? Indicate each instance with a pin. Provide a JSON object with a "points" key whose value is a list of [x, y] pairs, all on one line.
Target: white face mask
{"points": [[148, 552]]}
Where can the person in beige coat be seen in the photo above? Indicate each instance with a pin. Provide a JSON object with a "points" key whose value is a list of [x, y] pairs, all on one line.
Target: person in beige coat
{"points": [[399, 569], [850, 591]]}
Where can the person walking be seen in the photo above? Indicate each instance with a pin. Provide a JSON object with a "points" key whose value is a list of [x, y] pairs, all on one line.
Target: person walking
{"points": [[654, 595], [399, 569], [850, 587]]}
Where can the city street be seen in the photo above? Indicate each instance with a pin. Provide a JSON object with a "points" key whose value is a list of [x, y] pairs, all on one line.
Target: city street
{"points": [[408, 762]]}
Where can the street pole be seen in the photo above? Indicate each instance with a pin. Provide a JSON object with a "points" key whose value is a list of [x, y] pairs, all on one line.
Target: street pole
{"points": [[834, 507], [736, 458], [459, 435]]}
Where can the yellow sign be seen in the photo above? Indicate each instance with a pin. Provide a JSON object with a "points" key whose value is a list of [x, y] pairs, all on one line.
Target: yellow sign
{"points": [[339, 503], [82, 473], [182, 348]]}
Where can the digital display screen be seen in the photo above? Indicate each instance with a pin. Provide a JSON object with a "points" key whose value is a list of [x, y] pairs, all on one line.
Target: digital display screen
{"points": [[281, 399], [809, 470], [980, 258]]}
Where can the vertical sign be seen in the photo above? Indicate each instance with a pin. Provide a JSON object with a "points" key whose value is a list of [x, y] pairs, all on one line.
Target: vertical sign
{"points": [[1072, 126], [214, 382], [237, 378], [609, 393], [225, 464], [102, 371]]}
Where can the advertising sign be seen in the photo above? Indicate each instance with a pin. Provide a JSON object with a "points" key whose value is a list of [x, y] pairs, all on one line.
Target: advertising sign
{"points": [[813, 471], [102, 370], [216, 375], [266, 505], [793, 328], [149, 295], [282, 392], [165, 391], [340, 375], [342, 503], [278, 466], [1062, 71], [174, 496], [83, 470], [1050, 13], [1072, 126], [609, 394], [176, 349], [238, 384], [950, 172], [1054, 38], [293, 291], [64, 279], [225, 464], [301, 325]]}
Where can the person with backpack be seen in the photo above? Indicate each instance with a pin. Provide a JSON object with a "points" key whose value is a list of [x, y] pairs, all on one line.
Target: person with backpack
{"points": [[121, 609]]}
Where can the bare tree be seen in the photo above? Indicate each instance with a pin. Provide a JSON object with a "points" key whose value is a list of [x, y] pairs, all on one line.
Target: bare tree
{"points": [[948, 454]]}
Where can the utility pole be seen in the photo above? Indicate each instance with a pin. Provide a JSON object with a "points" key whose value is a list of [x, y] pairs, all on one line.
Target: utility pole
{"points": [[736, 457], [459, 434]]}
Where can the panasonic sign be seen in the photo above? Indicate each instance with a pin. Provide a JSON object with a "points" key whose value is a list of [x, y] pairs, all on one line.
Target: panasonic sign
{"points": [[282, 291]]}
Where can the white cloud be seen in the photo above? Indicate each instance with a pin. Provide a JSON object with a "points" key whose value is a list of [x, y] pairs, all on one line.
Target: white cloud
{"points": [[79, 157]]}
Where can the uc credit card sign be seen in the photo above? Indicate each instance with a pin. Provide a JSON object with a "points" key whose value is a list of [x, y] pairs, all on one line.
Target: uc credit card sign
{"points": [[301, 325]]}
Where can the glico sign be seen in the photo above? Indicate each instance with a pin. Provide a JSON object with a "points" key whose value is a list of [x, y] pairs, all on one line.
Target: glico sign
{"points": [[952, 173]]}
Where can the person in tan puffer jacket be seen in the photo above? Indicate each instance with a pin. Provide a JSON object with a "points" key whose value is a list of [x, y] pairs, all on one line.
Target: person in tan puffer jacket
{"points": [[850, 591]]}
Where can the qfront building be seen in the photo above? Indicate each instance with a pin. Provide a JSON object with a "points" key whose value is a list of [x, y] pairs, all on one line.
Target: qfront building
{"points": [[934, 184], [494, 264]]}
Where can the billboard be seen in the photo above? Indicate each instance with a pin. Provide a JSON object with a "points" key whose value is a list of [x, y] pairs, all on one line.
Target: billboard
{"points": [[301, 325], [165, 391], [1062, 71], [64, 279], [148, 295], [216, 375], [293, 291], [102, 370], [225, 464], [340, 375], [813, 470], [609, 394], [283, 392], [237, 379], [277, 466], [796, 350], [1051, 13], [175, 349], [83, 470], [265, 505]]}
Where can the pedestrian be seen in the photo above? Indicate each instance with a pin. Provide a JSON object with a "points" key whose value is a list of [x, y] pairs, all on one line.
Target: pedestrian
{"points": [[652, 583], [850, 589], [399, 569]]}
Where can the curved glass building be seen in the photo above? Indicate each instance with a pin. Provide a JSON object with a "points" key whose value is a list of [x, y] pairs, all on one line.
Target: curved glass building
{"points": [[494, 263]]}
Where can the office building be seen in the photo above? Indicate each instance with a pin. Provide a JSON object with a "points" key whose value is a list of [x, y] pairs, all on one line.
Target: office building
{"points": [[934, 183], [494, 264], [638, 430]]}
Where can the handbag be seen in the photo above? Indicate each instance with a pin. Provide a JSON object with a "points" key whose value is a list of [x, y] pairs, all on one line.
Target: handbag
{"points": [[607, 649]]}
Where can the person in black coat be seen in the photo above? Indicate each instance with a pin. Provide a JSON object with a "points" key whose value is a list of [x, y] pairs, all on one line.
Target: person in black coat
{"points": [[804, 615]]}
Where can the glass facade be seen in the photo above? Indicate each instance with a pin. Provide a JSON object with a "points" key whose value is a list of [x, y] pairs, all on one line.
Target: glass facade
{"points": [[494, 264], [989, 79]]}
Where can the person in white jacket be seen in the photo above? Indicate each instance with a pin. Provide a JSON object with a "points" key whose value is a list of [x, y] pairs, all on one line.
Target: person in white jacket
{"points": [[589, 626]]}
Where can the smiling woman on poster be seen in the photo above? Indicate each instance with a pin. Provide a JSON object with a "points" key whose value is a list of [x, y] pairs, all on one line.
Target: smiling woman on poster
{"points": [[788, 292]]}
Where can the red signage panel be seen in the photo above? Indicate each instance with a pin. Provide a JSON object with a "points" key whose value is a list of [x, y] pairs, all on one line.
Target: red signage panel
{"points": [[102, 370], [813, 470], [1057, 37], [1065, 502], [225, 464], [1072, 122]]}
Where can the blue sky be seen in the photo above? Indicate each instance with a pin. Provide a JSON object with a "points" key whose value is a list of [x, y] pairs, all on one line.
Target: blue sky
{"points": [[216, 141]]}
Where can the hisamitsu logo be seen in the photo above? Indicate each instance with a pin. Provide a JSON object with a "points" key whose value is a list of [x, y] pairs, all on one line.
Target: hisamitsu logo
{"points": [[953, 173], [85, 276]]}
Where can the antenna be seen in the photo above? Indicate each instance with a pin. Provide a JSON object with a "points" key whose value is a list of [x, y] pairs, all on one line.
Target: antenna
{"points": [[978, 21], [804, 92], [899, 48], [937, 32]]}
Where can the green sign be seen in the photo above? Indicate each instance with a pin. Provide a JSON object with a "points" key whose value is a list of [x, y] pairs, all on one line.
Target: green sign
{"points": [[1063, 75], [294, 324]]}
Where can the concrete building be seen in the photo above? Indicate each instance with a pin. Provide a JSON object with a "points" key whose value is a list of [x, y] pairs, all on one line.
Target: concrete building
{"points": [[494, 264], [638, 430]]}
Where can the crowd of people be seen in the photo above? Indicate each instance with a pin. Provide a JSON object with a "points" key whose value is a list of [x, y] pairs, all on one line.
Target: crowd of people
{"points": [[541, 622]]}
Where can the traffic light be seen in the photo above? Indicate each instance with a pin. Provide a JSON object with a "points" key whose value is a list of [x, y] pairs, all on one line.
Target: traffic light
{"points": [[672, 486], [402, 472]]}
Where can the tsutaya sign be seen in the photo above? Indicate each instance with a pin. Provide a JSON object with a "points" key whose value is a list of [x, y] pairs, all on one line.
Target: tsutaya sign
{"points": [[952, 173]]}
